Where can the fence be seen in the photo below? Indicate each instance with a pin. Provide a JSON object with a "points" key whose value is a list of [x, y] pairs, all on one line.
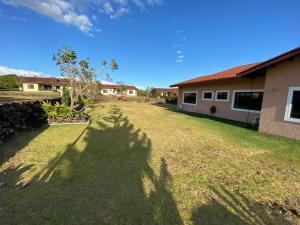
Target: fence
{"points": [[137, 99]]}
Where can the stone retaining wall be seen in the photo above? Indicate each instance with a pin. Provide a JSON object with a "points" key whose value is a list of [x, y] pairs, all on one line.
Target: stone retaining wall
{"points": [[21, 115]]}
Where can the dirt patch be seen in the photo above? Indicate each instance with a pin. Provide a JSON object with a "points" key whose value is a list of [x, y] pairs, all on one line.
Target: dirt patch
{"points": [[289, 210]]}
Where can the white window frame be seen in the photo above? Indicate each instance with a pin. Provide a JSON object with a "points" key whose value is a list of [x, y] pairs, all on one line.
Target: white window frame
{"points": [[288, 108], [222, 100], [190, 92], [244, 110], [130, 92], [205, 99]]}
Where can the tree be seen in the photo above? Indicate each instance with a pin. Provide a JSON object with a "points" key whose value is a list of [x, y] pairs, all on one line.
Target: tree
{"points": [[10, 81], [122, 88], [113, 67], [81, 77], [66, 60]]}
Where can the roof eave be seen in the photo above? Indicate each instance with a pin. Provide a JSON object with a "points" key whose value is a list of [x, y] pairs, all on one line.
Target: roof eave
{"points": [[271, 62]]}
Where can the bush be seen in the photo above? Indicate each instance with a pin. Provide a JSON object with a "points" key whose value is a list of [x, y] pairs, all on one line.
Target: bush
{"points": [[86, 102], [172, 99], [57, 110], [65, 97]]}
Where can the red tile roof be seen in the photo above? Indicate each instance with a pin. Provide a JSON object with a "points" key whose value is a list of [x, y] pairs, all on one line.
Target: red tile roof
{"points": [[107, 86], [223, 75], [45, 80]]}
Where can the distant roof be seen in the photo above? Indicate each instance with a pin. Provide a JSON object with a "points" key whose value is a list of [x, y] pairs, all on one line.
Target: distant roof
{"points": [[115, 86], [223, 75], [45, 80]]}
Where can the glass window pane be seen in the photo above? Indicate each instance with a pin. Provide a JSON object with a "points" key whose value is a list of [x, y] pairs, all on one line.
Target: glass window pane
{"points": [[248, 100], [207, 95], [190, 98], [295, 111], [222, 95]]}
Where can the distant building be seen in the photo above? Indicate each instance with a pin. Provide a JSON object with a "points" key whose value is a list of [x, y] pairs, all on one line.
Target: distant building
{"points": [[164, 92], [109, 88], [43, 84]]}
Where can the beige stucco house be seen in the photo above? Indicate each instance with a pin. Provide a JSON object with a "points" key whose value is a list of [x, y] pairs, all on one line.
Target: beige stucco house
{"points": [[268, 92], [118, 90], [48, 84]]}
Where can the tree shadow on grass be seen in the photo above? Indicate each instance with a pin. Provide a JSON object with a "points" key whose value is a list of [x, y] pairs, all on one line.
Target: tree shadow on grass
{"points": [[231, 208], [100, 183]]}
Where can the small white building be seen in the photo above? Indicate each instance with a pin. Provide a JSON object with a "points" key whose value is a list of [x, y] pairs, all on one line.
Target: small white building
{"points": [[109, 88]]}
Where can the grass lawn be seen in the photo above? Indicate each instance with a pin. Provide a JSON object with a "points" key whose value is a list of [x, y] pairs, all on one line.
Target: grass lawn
{"points": [[8, 96], [145, 164]]}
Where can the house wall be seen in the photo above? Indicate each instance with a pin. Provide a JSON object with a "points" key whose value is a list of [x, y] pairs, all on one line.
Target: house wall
{"points": [[25, 87], [114, 92], [224, 108], [278, 81]]}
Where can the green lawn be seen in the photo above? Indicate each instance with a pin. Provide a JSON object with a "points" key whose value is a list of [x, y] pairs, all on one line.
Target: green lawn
{"points": [[145, 164]]}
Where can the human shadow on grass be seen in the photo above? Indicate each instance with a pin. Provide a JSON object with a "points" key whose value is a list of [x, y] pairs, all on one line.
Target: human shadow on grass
{"points": [[173, 108], [224, 207], [108, 181]]}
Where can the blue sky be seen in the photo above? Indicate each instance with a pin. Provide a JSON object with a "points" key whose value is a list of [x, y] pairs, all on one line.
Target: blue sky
{"points": [[156, 42]]}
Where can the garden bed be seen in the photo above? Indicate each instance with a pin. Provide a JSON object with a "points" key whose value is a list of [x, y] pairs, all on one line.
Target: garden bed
{"points": [[75, 120]]}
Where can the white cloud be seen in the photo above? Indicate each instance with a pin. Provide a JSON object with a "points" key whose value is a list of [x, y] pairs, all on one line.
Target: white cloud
{"points": [[180, 31], [142, 3], [179, 52], [180, 57], [59, 10], [6, 70], [119, 13], [179, 60], [74, 12], [107, 7], [122, 2]]}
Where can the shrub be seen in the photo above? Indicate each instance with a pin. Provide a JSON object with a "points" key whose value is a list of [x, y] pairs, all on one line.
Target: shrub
{"points": [[65, 97], [86, 102], [56, 111]]}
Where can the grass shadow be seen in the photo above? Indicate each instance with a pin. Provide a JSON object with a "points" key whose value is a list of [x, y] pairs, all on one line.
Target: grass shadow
{"points": [[226, 207], [100, 183]]}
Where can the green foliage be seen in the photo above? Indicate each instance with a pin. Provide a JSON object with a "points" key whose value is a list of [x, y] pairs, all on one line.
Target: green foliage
{"points": [[65, 98], [56, 111], [10, 81], [114, 65], [85, 102]]}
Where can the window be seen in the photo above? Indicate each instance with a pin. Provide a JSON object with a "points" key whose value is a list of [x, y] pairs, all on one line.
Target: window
{"points": [[190, 98], [247, 100], [30, 86], [222, 95], [292, 112], [105, 91], [207, 95], [131, 92]]}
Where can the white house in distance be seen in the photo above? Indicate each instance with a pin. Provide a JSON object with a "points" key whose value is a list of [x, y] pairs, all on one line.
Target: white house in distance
{"points": [[45, 84], [109, 88]]}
